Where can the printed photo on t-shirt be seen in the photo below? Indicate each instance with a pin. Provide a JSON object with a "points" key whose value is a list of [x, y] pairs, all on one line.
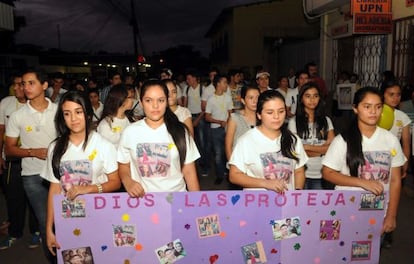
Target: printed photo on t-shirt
{"points": [[276, 166], [377, 166], [75, 172], [153, 159]]}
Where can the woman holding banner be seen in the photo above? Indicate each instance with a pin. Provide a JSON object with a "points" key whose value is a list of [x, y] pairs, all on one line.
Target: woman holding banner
{"points": [[269, 156], [79, 161], [158, 141], [365, 147]]}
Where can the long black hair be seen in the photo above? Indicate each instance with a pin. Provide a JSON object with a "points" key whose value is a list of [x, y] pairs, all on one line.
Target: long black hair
{"points": [[352, 135], [175, 128], [288, 140], [63, 132], [116, 97], [302, 118]]}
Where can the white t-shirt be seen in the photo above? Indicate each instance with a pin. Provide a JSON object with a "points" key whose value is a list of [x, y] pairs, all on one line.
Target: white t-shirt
{"points": [[83, 167], [97, 112], [218, 106], [314, 165], [182, 113], [8, 105], [208, 92], [153, 157], [382, 151], [49, 93], [36, 130], [112, 130], [280, 90], [194, 99], [138, 110], [260, 157], [292, 81], [292, 98], [401, 120]]}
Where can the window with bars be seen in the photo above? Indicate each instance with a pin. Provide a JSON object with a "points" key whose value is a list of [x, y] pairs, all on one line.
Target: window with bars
{"points": [[370, 58], [403, 51]]}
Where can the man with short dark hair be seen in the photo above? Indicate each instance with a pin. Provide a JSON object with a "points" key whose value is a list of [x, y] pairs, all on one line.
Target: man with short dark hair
{"points": [[16, 200], [114, 79], [55, 91], [312, 70]]}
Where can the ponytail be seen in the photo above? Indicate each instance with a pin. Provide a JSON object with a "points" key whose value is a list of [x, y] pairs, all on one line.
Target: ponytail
{"points": [[178, 132], [354, 155], [288, 143]]}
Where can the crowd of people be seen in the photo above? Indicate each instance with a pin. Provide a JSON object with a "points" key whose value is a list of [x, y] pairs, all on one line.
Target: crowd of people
{"points": [[163, 135]]}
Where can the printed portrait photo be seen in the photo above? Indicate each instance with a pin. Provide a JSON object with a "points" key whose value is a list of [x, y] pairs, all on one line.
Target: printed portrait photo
{"points": [[81, 255], [124, 235], [208, 226], [370, 201], [171, 252], [75, 208], [286, 228], [345, 95], [361, 250], [254, 253], [330, 229]]}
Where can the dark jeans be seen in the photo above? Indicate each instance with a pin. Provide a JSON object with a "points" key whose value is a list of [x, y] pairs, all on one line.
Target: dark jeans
{"points": [[218, 135], [313, 184], [202, 137], [37, 192], [16, 200]]}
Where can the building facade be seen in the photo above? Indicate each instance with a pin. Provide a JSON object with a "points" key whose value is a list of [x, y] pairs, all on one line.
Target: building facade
{"points": [[274, 35]]}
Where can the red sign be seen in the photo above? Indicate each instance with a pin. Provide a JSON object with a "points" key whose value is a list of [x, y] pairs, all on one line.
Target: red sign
{"points": [[372, 23], [371, 6], [340, 30]]}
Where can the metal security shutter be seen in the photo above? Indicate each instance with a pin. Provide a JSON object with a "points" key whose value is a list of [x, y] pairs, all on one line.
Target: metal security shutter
{"points": [[370, 59], [403, 51]]}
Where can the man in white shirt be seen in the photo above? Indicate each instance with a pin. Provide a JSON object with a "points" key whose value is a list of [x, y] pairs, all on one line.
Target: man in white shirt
{"points": [[56, 90], [33, 125], [262, 80]]}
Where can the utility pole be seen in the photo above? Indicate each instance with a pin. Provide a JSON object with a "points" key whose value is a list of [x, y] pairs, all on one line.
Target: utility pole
{"points": [[134, 31], [58, 36]]}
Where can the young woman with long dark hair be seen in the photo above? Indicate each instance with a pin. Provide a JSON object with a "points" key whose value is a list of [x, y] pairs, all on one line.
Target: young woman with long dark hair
{"points": [[113, 119], [269, 156], [157, 153], [316, 131], [79, 161], [365, 156]]}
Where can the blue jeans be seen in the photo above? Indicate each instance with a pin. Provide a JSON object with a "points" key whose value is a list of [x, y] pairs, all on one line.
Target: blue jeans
{"points": [[202, 137], [218, 135], [37, 191], [313, 184], [16, 200]]}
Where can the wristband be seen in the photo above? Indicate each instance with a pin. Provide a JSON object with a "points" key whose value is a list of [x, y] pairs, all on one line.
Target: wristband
{"points": [[100, 189]]}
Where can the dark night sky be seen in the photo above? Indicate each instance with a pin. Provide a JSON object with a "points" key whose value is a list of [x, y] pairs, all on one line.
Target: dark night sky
{"points": [[93, 25]]}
